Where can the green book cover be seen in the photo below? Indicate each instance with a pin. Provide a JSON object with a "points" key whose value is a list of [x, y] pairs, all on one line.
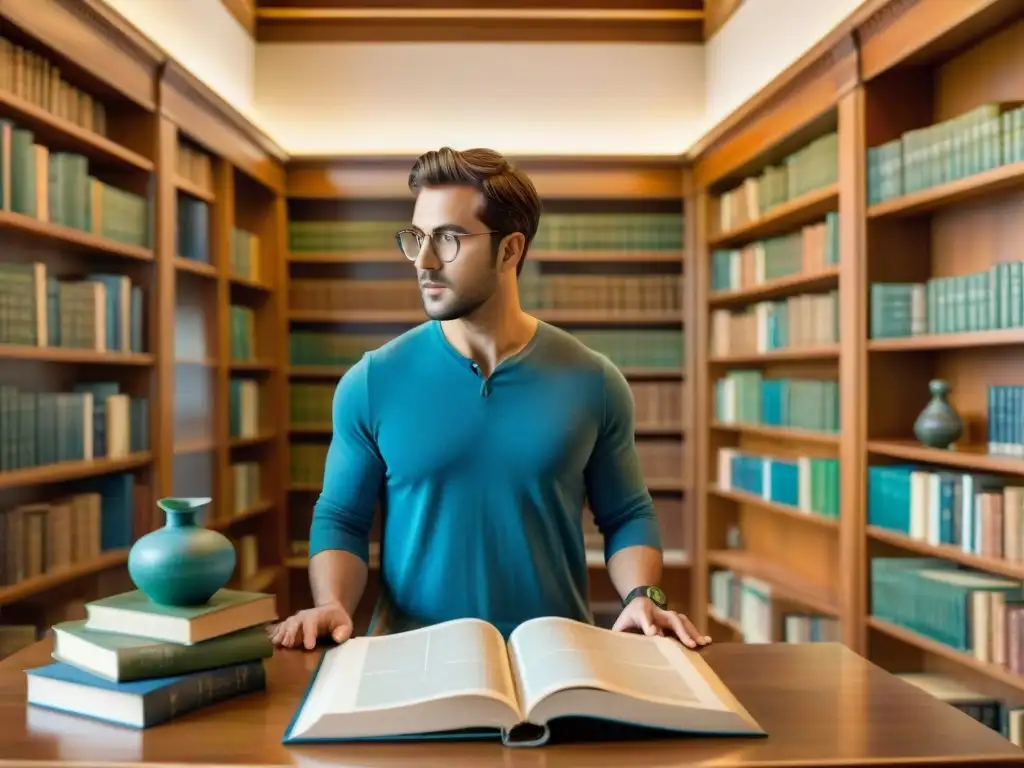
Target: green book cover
{"points": [[122, 658]]}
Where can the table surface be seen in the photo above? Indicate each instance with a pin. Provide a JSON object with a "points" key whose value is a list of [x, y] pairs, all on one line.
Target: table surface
{"points": [[820, 703]]}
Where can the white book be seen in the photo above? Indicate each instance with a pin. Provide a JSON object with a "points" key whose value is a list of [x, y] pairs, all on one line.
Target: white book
{"points": [[461, 679]]}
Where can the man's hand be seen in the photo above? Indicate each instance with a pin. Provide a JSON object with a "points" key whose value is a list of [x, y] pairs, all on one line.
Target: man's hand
{"points": [[305, 627], [642, 615]]}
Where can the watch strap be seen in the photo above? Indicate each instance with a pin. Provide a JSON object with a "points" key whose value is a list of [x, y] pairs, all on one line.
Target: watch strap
{"points": [[651, 592]]}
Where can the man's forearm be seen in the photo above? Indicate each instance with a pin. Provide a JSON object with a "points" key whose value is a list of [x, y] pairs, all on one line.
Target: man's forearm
{"points": [[633, 567], [337, 576]]}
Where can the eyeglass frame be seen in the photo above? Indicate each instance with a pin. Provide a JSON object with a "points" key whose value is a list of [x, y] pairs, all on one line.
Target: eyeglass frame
{"points": [[457, 235]]}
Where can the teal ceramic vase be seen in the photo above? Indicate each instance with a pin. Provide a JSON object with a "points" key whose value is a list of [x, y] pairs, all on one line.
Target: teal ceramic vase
{"points": [[183, 563], [938, 425]]}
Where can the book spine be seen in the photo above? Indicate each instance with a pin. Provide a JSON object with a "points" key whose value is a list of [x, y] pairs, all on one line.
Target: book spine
{"points": [[202, 689], [168, 660]]}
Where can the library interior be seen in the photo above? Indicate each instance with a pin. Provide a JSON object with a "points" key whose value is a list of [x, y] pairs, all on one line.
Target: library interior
{"points": [[790, 224]]}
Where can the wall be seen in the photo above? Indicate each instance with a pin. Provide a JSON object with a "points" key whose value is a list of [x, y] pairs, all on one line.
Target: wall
{"points": [[518, 98], [771, 33], [204, 38]]}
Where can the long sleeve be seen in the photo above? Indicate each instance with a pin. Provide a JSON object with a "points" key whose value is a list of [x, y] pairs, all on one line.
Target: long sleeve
{"points": [[353, 473], [622, 505]]}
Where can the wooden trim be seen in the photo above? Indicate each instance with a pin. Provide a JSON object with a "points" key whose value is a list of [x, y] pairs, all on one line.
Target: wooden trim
{"points": [[555, 177], [87, 36], [746, 111], [717, 13], [244, 12], [377, 24], [910, 31], [802, 109], [210, 121]]}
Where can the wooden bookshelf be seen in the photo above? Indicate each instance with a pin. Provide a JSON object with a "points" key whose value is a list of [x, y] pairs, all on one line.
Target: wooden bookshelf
{"points": [[591, 280], [881, 80], [155, 331]]}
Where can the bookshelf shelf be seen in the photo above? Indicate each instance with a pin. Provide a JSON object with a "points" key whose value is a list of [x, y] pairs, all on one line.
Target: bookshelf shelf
{"points": [[975, 458], [61, 134], [39, 585], [940, 341], [787, 217], [774, 289], [71, 355], [987, 669], [790, 434], [71, 470], [194, 189], [751, 500], [197, 268], [784, 582], [795, 354], [997, 565], [17, 223], [990, 183]]}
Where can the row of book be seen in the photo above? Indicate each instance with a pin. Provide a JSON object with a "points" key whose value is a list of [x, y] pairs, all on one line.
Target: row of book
{"points": [[102, 312], [55, 186], [808, 484], [626, 232], [747, 602], [246, 486], [195, 166], [31, 76], [811, 250], [94, 420], [658, 348], [997, 714], [979, 301], [243, 408], [971, 611], [136, 663], [193, 229], [749, 397], [242, 334], [607, 294], [804, 320], [602, 293], [977, 513], [1005, 409], [812, 167], [104, 514], [978, 140], [244, 256]]}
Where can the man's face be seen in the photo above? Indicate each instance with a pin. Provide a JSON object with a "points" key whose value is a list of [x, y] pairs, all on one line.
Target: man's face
{"points": [[457, 288]]}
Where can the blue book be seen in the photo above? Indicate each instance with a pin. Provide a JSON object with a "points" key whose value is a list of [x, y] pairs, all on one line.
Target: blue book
{"points": [[554, 679], [142, 703]]}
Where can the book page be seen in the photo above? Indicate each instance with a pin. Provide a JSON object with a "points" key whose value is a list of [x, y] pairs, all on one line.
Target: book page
{"points": [[553, 654], [462, 658]]}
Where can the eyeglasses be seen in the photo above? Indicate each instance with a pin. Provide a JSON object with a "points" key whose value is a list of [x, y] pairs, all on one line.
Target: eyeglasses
{"points": [[446, 244]]}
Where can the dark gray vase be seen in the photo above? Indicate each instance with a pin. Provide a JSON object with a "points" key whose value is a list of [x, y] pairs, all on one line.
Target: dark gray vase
{"points": [[938, 425]]}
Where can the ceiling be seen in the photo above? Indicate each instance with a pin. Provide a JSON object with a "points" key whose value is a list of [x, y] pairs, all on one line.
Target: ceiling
{"points": [[633, 21]]}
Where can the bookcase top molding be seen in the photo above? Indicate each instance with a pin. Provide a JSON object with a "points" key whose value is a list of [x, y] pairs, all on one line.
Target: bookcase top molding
{"points": [[92, 40], [795, 106], [567, 177], [209, 120]]}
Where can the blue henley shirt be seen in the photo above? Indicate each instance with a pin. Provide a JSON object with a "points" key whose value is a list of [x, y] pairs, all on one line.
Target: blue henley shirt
{"points": [[482, 481]]}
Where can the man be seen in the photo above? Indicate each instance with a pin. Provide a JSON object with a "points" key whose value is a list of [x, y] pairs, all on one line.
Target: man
{"points": [[482, 431]]}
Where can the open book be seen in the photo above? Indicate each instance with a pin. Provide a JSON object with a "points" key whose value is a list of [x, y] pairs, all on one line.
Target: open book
{"points": [[459, 679]]}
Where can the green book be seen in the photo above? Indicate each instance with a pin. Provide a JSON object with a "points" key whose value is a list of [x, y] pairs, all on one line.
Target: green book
{"points": [[123, 658], [132, 613]]}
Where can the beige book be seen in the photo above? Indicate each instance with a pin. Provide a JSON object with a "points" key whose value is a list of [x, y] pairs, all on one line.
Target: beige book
{"points": [[460, 678]]}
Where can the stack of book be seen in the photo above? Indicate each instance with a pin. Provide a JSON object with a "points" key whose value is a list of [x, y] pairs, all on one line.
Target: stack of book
{"points": [[136, 663]]}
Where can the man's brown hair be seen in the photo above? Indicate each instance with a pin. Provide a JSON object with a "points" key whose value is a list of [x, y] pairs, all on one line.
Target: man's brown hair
{"points": [[511, 203]]}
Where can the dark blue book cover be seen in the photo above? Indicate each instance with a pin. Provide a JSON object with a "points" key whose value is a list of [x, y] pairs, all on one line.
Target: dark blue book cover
{"points": [[140, 703]]}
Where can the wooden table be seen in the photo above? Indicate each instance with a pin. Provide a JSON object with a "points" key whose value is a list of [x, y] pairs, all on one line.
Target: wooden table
{"points": [[821, 704]]}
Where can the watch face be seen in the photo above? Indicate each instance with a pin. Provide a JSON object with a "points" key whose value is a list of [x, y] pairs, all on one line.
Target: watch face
{"points": [[657, 596]]}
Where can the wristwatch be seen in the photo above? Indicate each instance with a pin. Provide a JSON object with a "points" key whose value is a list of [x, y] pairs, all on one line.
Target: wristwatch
{"points": [[652, 592]]}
